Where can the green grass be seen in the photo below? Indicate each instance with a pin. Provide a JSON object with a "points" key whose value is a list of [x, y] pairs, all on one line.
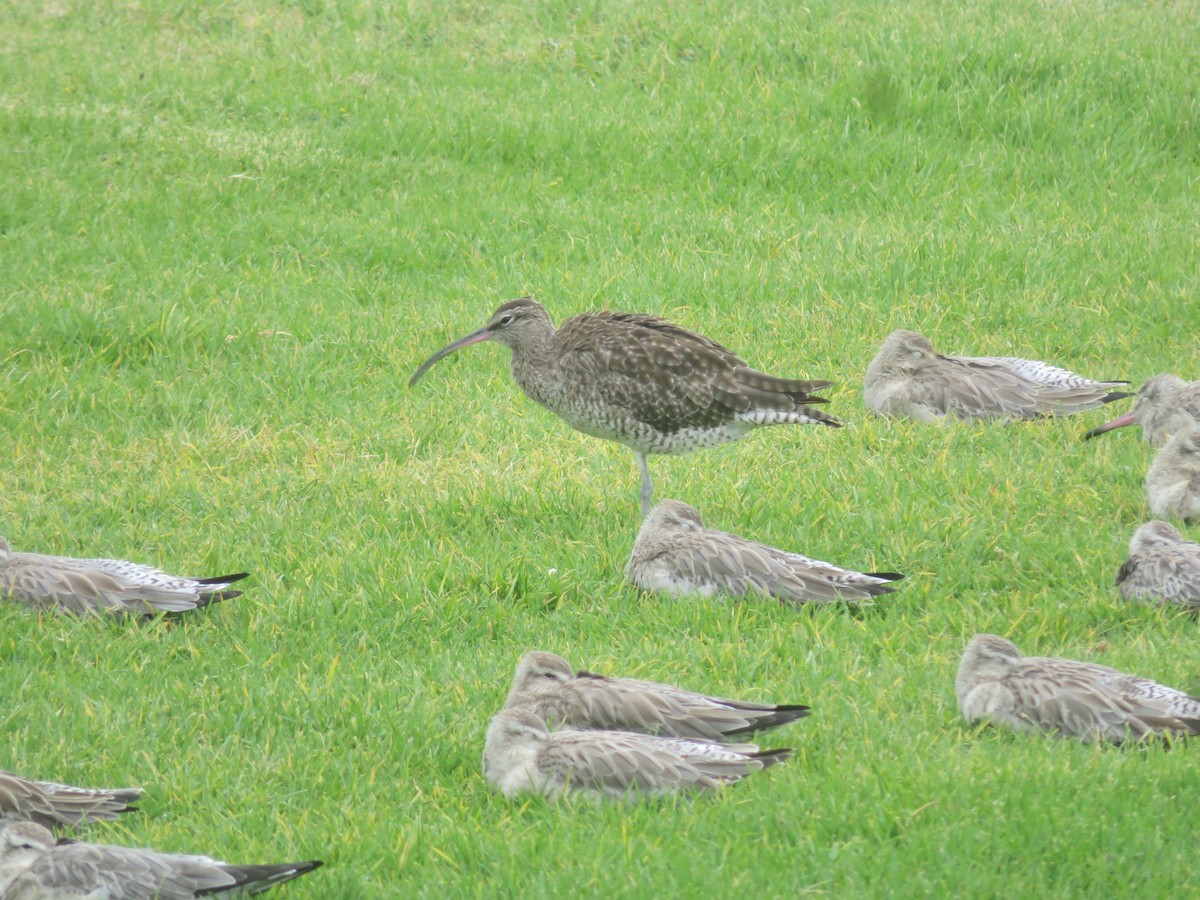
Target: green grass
{"points": [[230, 234]]}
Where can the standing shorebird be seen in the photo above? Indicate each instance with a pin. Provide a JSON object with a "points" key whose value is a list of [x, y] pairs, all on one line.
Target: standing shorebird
{"points": [[54, 805], [522, 756], [676, 554], [640, 381], [114, 586], [1164, 405], [34, 867], [545, 684], [1161, 566], [1043, 693], [1173, 482], [908, 378]]}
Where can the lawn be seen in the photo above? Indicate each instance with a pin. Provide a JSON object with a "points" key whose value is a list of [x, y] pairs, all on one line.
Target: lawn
{"points": [[231, 231]]}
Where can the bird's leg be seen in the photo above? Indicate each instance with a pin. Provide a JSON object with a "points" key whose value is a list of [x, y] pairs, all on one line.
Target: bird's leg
{"points": [[647, 484]]}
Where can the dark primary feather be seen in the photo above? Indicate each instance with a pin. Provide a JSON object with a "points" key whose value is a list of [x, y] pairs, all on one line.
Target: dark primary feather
{"points": [[217, 596], [255, 879]]}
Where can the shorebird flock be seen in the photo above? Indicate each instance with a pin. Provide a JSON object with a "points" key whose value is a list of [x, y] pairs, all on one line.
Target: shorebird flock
{"points": [[659, 388]]}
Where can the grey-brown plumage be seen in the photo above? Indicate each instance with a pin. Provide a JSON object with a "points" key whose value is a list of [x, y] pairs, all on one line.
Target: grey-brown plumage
{"points": [[1066, 697], [641, 381], [1164, 405], [1162, 566], [56, 805], [676, 554], [909, 379], [522, 756], [1173, 482], [545, 684], [34, 867], [114, 586]]}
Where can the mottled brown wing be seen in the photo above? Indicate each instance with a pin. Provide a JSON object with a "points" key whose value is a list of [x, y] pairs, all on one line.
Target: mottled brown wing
{"points": [[625, 703], [47, 584], [613, 762], [664, 375], [739, 567], [975, 389], [667, 376], [1088, 700], [1171, 574], [54, 805]]}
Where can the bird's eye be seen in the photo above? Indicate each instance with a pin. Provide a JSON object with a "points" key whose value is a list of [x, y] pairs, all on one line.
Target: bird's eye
{"points": [[548, 675], [505, 320]]}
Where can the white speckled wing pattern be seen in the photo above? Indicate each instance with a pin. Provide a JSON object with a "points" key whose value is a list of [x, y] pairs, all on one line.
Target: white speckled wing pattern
{"points": [[1068, 697], [907, 378], [87, 586], [1161, 567]]}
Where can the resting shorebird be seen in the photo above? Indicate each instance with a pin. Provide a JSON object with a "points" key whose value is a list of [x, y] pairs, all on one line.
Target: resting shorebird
{"points": [[1161, 566], [1080, 699], [640, 381], [545, 684], [907, 378], [521, 756], [1173, 482], [1164, 405], [57, 805], [84, 586], [676, 554], [34, 867]]}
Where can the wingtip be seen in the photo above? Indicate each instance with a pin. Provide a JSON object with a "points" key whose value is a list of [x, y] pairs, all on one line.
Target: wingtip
{"points": [[216, 597], [773, 757], [797, 710], [223, 579]]}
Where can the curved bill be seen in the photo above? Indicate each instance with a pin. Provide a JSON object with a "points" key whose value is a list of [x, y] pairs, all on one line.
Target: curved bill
{"points": [[1118, 422], [473, 338]]}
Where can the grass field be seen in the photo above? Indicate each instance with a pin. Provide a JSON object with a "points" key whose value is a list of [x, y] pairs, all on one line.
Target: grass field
{"points": [[229, 233]]}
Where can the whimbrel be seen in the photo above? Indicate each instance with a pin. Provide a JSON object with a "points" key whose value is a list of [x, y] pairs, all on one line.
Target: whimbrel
{"points": [[907, 378], [676, 554], [641, 381], [545, 684], [54, 805], [32, 866], [1080, 699], [522, 756], [1173, 482], [1162, 566], [83, 586], [1164, 405]]}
